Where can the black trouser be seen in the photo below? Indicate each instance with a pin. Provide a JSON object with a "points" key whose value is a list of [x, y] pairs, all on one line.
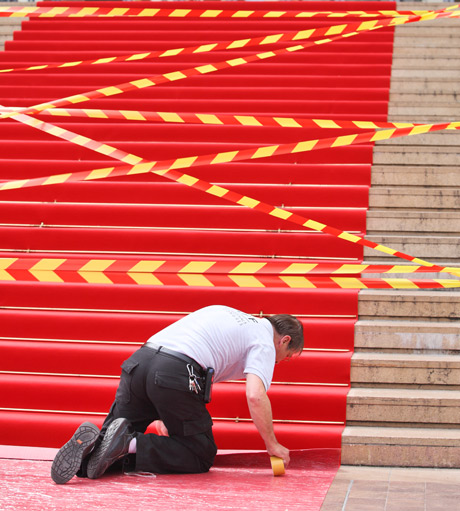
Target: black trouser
{"points": [[154, 386]]}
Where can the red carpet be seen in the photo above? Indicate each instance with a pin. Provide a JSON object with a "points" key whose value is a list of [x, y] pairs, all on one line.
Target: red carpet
{"points": [[61, 345], [237, 481]]}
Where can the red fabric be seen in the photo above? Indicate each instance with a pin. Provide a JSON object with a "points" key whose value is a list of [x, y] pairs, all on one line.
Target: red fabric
{"points": [[88, 329]]}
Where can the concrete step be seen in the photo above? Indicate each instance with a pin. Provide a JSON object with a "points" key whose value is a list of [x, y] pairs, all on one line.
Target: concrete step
{"points": [[409, 370], [418, 221], [393, 336], [414, 197], [403, 447], [414, 408], [421, 175], [410, 155], [418, 305]]}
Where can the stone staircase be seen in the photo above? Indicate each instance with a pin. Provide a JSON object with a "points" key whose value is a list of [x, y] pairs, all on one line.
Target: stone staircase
{"points": [[404, 405], [7, 27]]}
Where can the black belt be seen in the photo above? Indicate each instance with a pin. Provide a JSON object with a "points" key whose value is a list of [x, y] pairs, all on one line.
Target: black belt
{"points": [[180, 356]]}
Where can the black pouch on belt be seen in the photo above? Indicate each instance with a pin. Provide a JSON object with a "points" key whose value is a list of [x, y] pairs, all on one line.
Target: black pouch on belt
{"points": [[209, 377]]}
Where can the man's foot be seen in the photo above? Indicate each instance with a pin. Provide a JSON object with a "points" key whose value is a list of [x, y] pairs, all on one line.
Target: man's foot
{"points": [[69, 457], [114, 446]]}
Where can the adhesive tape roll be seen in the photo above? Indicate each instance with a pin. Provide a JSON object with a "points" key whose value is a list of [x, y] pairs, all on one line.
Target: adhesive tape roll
{"points": [[277, 465]]}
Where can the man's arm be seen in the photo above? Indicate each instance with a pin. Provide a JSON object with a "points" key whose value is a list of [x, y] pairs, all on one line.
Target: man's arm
{"points": [[261, 413]]}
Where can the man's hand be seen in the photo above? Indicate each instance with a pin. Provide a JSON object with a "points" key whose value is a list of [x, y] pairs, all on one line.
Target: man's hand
{"points": [[261, 413], [280, 451]]}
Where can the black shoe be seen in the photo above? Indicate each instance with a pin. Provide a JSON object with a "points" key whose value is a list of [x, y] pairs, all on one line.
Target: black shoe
{"points": [[69, 457], [114, 446]]}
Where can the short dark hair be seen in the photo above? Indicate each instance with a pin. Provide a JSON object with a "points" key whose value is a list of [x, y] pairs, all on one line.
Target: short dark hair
{"points": [[286, 324]]}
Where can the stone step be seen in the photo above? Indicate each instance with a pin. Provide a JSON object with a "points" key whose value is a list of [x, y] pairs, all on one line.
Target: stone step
{"points": [[441, 27], [422, 175], [433, 223], [422, 118], [431, 74], [414, 197], [437, 62], [419, 305], [394, 370], [396, 155], [415, 408], [416, 46], [11, 22], [424, 86], [445, 138], [402, 447], [434, 248], [444, 112], [392, 336], [433, 98], [7, 30]]}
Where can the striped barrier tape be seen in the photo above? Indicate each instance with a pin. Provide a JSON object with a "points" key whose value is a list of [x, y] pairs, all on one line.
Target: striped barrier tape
{"points": [[221, 280], [168, 169], [242, 43], [203, 266], [79, 12], [221, 119], [210, 68]]}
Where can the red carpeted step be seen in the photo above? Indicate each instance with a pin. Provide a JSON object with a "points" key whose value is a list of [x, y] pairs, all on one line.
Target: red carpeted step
{"points": [[223, 93], [61, 357], [53, 430], [141, 242], [95, 395], [164, 193], [224, 29], [125, 72], [243, 172], [133, 329], [158, 151], [116, 132], [169, 216], [313, 302]]}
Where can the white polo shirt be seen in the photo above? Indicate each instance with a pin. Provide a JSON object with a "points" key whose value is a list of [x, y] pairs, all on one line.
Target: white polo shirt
{"points": [[230, 341]]}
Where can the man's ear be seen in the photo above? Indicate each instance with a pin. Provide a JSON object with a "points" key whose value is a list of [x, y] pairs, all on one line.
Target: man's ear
{"points": [[286, 339]]}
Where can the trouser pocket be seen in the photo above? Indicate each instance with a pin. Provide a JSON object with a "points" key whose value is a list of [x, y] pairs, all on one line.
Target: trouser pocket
{"points": [[123, 395]]}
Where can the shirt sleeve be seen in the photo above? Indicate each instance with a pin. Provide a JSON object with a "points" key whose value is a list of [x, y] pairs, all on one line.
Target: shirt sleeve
{"points": [[261, 362]]}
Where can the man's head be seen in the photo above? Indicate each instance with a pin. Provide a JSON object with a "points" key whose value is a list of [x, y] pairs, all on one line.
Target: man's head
{"points": [[288, 335]]}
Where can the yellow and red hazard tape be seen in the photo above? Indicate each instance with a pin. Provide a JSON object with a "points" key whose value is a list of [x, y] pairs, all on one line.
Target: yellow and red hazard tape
{"points": [[196, 274], [50, 12], [222, 119], [168, 170], [219, 280], [205, 266], [226, 64], [343, 30]]}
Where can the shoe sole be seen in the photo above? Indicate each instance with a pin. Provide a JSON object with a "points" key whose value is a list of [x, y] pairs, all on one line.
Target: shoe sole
{"points": [[99, 462], [68, 460]]}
